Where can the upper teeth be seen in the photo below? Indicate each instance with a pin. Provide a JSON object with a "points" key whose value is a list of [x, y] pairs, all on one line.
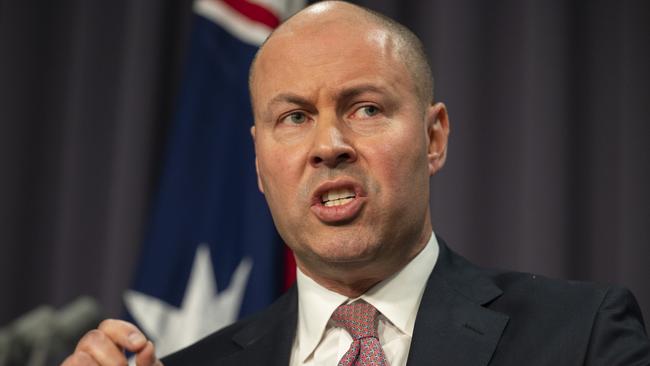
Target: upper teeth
{"points": [[337, 197]]}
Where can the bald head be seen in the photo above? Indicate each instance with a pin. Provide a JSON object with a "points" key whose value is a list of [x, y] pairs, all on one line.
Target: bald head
{"points": [[329, 15]]}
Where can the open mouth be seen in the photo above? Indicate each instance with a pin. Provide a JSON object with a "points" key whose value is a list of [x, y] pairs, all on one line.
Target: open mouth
{"points": [[339, 201], [337, 197]]}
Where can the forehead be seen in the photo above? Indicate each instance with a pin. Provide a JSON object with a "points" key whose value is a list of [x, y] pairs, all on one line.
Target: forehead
{"points": [[329, 55]]}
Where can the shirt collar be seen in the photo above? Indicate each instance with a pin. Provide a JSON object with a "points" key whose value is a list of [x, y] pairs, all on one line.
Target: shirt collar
{"points": [[397, 298]]}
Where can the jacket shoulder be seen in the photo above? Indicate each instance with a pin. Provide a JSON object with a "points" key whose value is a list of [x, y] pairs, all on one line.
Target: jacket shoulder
{"points": [[232, 339], [596, 323], [551, 321]]}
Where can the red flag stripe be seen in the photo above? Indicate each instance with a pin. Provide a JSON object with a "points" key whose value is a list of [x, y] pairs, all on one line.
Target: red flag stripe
{"points": [[289, 269], [254, 12]]}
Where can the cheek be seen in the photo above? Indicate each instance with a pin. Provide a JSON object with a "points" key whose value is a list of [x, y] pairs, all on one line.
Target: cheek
{"points": [[400, 163], [280, 171]]}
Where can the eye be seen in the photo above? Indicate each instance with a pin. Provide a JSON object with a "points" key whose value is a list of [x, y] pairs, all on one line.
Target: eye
{"points": [[295, 118], [366, 111]]}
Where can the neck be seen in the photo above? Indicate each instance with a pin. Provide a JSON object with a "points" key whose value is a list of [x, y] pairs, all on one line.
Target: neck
{"points": [[353, 279], [352, 287]]}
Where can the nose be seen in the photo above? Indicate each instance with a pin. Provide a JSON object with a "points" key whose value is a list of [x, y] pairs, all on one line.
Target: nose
{"points": [[330, 145]]}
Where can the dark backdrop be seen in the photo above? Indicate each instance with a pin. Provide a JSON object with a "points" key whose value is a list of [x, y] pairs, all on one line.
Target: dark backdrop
{"points": [[548, 170]]}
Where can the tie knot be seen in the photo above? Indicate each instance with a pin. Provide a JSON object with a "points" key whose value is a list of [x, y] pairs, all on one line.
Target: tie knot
{"points": [[359, 319]]}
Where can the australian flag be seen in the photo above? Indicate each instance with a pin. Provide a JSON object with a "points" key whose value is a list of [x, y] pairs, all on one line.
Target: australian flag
{"points": [[211, 254]]}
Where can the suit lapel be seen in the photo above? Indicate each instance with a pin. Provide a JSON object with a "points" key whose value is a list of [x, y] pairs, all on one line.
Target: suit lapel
{"points": [[452, 326], [268, 339]]}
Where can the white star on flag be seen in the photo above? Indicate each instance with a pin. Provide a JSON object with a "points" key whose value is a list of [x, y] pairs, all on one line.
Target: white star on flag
{"points": [[202, 311]]}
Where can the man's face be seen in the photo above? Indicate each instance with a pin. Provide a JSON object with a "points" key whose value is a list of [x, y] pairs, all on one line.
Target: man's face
{"points": [[344, 146]]}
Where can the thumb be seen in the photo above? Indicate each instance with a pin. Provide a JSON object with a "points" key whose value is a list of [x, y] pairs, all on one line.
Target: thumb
{"points": [[147, 356]]}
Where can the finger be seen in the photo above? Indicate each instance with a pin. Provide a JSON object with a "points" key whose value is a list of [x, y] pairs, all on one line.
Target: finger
{"points": [[101, 348], [79, 359], [147, 356], [124, 334]]}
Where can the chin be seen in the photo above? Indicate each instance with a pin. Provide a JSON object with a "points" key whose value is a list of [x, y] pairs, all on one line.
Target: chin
{"points": [[346, 251]]}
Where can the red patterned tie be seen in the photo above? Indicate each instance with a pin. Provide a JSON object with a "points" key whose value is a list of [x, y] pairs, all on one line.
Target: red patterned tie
{"points": [[360, 320]]}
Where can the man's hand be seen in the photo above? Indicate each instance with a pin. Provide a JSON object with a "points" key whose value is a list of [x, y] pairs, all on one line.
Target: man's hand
{"points": [[105, 346]]}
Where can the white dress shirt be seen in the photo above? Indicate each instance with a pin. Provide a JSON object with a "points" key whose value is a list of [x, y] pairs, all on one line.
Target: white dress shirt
{"points": [[319, 342]]}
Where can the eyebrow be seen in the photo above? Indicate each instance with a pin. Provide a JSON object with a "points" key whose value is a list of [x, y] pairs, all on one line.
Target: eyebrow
{"points": [[345, 94], [288, 98], [351, 92]]}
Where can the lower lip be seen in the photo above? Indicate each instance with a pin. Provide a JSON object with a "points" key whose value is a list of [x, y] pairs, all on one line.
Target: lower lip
{"points": [[338, 214]]}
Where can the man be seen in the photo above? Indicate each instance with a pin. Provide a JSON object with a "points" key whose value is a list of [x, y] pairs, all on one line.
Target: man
{"points": [[347, 136]]}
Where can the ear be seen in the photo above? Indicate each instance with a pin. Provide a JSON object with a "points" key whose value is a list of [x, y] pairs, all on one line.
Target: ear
{"points": [[438, 134], [257, 168]]}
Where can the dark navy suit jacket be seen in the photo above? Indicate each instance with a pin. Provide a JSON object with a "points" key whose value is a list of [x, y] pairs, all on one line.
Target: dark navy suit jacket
{"points": [[468, 316]]}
